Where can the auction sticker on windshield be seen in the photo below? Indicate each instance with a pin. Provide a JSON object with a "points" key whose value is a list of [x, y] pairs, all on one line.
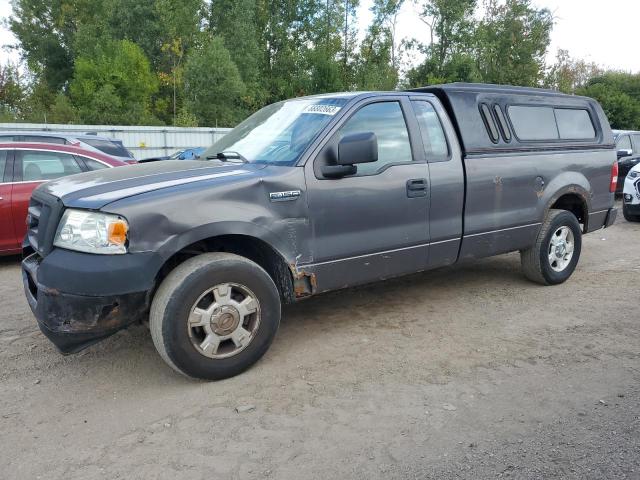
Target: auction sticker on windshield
{"points": [[322, 109]]}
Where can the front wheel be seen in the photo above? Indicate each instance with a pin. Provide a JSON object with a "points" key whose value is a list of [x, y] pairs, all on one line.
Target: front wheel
{"points": [[214, 316], [554, 256], [628, 216]]}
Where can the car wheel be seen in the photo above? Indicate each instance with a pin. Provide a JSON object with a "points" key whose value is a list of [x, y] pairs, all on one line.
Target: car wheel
{"points": [[214, 316], [555, 254], [629, 217]]}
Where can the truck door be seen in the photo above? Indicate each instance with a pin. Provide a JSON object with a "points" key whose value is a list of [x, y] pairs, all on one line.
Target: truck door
{"points": [[373, 224], [7, 233], [446, 199]]}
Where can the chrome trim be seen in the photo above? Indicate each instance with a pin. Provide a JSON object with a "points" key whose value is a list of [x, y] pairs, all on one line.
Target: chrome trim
{"points": [[599, 211], [28, 181], [416, 246], [502, 230], [366, 255], [381, 253], [445, 241]]}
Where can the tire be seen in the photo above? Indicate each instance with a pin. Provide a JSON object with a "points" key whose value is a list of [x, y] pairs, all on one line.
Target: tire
{"points": [[629, 217], [187, 296], [536, 261]]}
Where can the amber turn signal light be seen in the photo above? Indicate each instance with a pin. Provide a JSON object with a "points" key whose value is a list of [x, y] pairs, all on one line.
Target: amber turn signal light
{"points": [[118, 232]]}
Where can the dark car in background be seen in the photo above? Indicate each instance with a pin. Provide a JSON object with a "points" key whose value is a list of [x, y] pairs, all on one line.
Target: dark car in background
{"points": [[628, 147], [89, 141], [23, 167], [186, 154]]}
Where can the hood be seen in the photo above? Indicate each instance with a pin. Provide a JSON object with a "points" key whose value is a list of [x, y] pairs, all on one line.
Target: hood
{"points": [[96, 189]]}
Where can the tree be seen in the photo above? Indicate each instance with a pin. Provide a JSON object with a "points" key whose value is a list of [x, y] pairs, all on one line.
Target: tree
{"points": [[619, 95], [378, 59], [451, 41], [46, 31], [213, 85], [569, 74], [11, 93], [512, 41], [114, 85], [235, 21]]}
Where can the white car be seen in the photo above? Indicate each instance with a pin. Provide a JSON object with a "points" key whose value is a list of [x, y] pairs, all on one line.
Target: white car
{"points": [[631, 195]]}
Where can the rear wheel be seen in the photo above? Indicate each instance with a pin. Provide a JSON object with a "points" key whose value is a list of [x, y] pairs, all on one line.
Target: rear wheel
{"points": [[554, 256], [628, 216], [214, 316]]}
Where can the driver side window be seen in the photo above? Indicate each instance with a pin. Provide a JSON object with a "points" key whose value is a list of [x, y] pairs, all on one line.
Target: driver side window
{"points": [[386, 120]]}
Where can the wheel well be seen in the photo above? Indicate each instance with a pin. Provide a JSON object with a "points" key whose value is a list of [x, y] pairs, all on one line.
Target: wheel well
{"points": [[252, 248], [575, 204]]}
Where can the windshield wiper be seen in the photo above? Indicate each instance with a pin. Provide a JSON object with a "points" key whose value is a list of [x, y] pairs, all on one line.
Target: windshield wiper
{"points": [[228, 155]]}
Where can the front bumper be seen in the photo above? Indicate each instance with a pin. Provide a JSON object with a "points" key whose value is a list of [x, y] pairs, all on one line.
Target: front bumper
{"points": [[74, 321]]}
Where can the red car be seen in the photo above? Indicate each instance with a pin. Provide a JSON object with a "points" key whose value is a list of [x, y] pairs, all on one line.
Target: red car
{"points": [[24, 166]]}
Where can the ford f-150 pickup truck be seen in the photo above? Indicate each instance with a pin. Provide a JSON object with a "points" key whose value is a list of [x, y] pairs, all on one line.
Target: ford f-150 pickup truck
{"points": [[311, 195]]}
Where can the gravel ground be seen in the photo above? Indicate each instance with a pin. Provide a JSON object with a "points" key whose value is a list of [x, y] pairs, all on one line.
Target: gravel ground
{"points": [[468, 372]]}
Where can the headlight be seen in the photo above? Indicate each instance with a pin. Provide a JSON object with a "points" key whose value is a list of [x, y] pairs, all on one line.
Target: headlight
{"points": [[634, 174], [92, 232]]}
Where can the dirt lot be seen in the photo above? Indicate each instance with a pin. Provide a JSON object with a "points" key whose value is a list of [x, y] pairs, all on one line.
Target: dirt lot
{"points": [[468, 372]]}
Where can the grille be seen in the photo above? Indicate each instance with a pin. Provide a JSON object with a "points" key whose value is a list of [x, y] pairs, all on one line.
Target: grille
{"points": [[637, 184]]}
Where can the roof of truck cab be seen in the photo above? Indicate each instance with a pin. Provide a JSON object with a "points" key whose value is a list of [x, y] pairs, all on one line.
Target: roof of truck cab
{"points": [[492, 88]]}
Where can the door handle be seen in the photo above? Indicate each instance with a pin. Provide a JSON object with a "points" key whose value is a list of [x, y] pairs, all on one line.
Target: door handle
{"points": [[417, 187]]}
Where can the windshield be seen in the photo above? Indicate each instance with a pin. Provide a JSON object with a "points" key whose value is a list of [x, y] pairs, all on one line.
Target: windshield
{"points": [[177, 154], [279, 133]]}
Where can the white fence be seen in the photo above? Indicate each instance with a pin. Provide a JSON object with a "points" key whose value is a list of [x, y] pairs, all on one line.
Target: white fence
{"points": [[142, 141]]}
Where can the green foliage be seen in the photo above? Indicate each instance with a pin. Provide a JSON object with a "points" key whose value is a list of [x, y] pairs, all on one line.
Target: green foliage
{"points": [[213, 85], [512, 41], [569, 74], [186, 119], [378, 63], [507, 46], [619, 95], [189, 62], [11, 92], [114, 85]]}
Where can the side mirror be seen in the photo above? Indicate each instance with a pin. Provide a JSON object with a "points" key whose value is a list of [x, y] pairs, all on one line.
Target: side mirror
{"points": [[357, 148], [624, 153], [352, 149]]}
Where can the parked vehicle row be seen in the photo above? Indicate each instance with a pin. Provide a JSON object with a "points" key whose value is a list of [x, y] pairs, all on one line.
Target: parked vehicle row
{"points": [[628, 147], [108, 146], [23, 167], [311, 195]]}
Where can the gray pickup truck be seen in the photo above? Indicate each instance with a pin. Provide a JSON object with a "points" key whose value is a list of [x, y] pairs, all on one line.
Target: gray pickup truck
{"points": [[310, 195]]}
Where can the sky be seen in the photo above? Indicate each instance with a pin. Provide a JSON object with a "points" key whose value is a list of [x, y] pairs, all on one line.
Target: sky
{"points": [[586, 28]]}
